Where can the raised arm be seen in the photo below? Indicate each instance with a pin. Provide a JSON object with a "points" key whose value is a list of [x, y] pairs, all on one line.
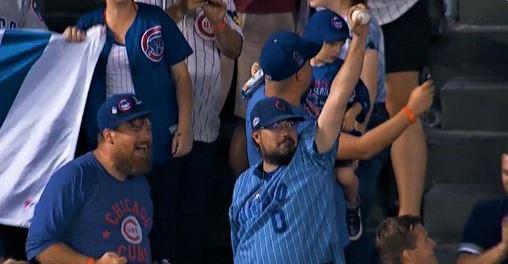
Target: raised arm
{"points": [[330, 120]]}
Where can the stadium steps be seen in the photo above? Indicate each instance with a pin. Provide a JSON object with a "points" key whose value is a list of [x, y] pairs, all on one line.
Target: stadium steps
{"points": [[468, 65]]}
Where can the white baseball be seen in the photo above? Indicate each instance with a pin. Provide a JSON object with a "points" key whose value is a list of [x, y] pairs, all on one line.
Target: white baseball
{"points": [[361, 16]]}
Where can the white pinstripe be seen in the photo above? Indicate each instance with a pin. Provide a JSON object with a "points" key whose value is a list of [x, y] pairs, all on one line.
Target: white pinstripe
{"points": [[204, 70], [118, 73], [309, 209], [386, 11]]}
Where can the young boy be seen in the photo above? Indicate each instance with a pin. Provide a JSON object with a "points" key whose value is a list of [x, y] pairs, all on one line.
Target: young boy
{"points": [[330, 30]]}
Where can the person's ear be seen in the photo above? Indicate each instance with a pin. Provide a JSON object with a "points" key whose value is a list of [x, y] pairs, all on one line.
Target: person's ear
{"points": [[256, 136], [108, 136]]}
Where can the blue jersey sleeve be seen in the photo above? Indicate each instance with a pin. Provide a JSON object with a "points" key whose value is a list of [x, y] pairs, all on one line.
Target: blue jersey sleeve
{"points": [[308, 136], [90, 19], [483, 228], [177, 47], [59, 204], [362, 97]]}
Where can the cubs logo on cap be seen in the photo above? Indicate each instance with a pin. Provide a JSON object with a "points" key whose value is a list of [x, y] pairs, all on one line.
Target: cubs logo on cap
{"points": [[124, 105], [152, 44], [118, 109], [272, 110], [326, 26], [337, 22]]}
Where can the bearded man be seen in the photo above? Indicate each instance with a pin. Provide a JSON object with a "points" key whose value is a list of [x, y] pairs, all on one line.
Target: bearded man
{"points": [[97, 208]]}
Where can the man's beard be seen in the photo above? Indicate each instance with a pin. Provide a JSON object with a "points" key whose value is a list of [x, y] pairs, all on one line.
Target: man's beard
{"points": [[131, 165], [283, 157]]}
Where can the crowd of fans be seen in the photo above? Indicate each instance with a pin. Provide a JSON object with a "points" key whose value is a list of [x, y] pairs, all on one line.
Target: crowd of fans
{"points": [[312, 135]]}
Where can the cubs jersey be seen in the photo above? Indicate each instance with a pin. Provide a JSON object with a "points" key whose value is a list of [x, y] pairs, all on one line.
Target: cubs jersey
{"points": [[92, 212], [204, 67], [154, 44], [291, 215]]}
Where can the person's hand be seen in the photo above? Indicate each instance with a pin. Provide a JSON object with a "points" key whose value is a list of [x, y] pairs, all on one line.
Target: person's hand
{"points": [[111, 258], [13, 261], [348, 124], [187, 6], [357, 28], [73, 34], [254, 68], [421, 98], [182, 142], [215, 11]]}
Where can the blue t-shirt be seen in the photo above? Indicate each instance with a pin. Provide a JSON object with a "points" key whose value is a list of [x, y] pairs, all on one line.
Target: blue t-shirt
{"points": [[483, 228], [154, 44], [92, 212], [292, 215], [320, 89]]}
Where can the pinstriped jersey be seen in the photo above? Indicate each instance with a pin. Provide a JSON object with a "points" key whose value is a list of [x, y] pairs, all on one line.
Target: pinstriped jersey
{"points": [[386, 11], [204, 68], [291, 216]]}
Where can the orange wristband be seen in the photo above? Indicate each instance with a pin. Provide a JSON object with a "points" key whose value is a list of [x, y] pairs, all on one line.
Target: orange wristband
{"points": [[410, 115], [219, 27], [90, 261]]}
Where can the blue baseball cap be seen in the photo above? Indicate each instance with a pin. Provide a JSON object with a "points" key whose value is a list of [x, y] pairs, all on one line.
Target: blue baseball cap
{"points": [[272, 110], [326, 26], [284, 53], [118, 109]]}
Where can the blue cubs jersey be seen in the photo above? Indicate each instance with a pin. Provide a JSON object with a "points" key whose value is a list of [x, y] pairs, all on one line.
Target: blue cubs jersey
{"points": [[92, 212], [291, 215], [154, 43]]}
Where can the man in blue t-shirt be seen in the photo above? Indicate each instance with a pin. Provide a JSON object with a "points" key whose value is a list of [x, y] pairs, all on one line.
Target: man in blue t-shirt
{"points": [[485, 236], [97, 208], [288, 207]]}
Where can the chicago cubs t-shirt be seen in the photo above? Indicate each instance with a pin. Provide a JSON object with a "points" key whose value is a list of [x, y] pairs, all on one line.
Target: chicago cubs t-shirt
{"points": [[317, 94], [92, 212]]}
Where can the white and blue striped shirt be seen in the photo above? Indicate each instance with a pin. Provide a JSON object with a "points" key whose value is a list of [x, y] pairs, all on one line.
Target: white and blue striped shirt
{"points": [[292, 216]]}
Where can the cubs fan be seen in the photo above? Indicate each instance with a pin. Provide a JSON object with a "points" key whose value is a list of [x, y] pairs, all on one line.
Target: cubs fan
{"points": [[144, 54], [97, 208], [211, 29]]}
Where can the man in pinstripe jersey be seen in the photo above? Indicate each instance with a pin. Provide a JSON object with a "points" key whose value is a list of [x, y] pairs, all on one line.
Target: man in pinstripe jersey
{"points": [[211, 29], [285, 208]]}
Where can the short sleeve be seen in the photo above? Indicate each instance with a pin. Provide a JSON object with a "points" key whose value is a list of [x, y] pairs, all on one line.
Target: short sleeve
{"points": [[176, 47], [482, 230], [308, 136], [374, 36], [56, 210], [90, 19]]}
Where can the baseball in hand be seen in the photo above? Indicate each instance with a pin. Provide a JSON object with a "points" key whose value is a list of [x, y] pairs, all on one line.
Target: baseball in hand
{"points": [[361, 16]]}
